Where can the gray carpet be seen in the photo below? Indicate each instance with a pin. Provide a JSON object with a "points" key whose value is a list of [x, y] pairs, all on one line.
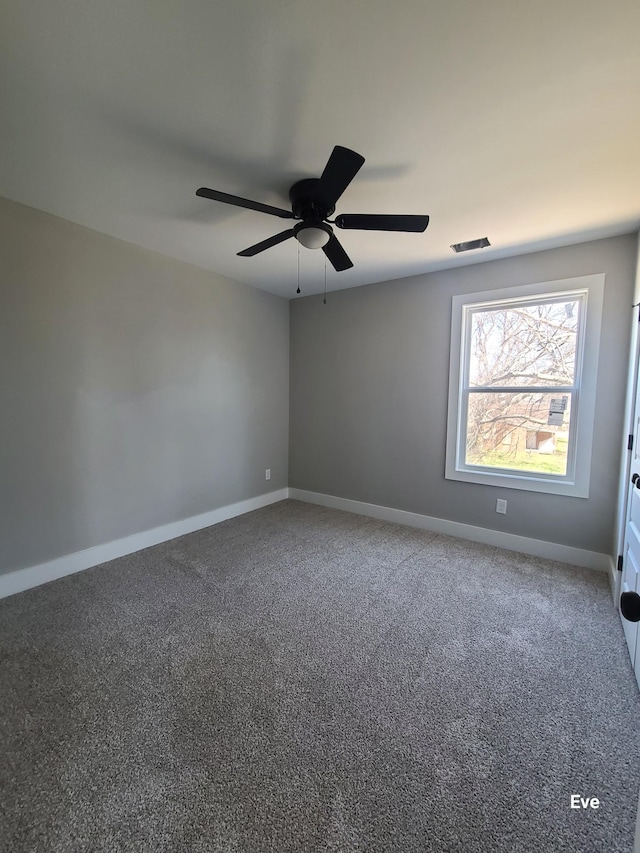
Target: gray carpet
{"points": [[302, 679]]}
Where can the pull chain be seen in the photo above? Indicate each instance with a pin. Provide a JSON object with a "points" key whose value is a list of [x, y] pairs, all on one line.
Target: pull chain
{"points": [[325, 281], [298, 290]]}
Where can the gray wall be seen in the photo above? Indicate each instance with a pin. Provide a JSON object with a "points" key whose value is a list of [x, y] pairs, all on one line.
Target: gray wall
{"points": [[368, 402], [136, 390]]}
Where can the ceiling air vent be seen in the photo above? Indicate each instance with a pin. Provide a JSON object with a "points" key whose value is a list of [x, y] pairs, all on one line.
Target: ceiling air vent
{"points": [[471, 244]]}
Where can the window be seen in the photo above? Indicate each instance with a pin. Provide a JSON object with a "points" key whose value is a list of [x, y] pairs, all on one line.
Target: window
{"points": [[522, 386]]}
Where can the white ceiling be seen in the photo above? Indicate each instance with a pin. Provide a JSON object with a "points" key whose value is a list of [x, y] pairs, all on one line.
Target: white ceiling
{"points": [[512, 120]]}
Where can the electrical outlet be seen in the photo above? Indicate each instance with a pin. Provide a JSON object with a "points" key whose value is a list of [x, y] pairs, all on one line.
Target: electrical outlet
{"points": [[501, 506], [267, 475]]}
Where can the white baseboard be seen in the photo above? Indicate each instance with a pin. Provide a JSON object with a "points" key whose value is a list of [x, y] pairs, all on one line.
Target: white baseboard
{"points": [[523, 544], [23, 579], [614, 581]]}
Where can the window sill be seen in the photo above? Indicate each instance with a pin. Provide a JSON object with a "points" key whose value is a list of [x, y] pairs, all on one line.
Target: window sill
{"points": [[504, 480]]}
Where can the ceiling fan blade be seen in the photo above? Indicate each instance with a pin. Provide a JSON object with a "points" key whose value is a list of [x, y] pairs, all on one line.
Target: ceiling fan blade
{"points": [[337, 255], [216, 195], [340, 170], [266, 244], [374, 222]]}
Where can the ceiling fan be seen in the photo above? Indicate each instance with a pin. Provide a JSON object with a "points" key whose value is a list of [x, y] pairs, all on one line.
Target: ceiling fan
{"points": [[313, 200]]}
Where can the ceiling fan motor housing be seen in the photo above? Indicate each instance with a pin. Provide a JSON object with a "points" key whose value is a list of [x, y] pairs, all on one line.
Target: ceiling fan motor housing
{"points": [[305, 202]]}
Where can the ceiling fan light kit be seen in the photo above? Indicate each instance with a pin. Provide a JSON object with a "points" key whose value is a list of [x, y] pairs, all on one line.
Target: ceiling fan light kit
{"points": [[313, 201], [312, 236]]}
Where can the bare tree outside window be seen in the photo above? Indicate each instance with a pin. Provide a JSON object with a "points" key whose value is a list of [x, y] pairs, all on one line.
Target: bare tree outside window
{"points": [[521, 383], [523, 374]]}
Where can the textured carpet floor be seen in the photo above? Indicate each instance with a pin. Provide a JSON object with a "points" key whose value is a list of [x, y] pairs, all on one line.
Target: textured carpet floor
{"points": [[302, 679]]}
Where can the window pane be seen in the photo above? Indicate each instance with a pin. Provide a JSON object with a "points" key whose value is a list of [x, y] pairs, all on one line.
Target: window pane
{"points": [[524, 345], [519, 432]]}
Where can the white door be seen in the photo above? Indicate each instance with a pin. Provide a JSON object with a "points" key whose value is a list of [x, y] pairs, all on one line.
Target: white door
{"points": [[630, 582], [631, 571]]}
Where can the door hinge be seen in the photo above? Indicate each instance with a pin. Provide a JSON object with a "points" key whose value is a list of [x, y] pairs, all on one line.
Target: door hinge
{"points": [[630, 442], [619, 562]]}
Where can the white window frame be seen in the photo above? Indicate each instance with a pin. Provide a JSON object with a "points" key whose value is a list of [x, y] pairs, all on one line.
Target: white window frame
{"points": [[576, 481]]}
